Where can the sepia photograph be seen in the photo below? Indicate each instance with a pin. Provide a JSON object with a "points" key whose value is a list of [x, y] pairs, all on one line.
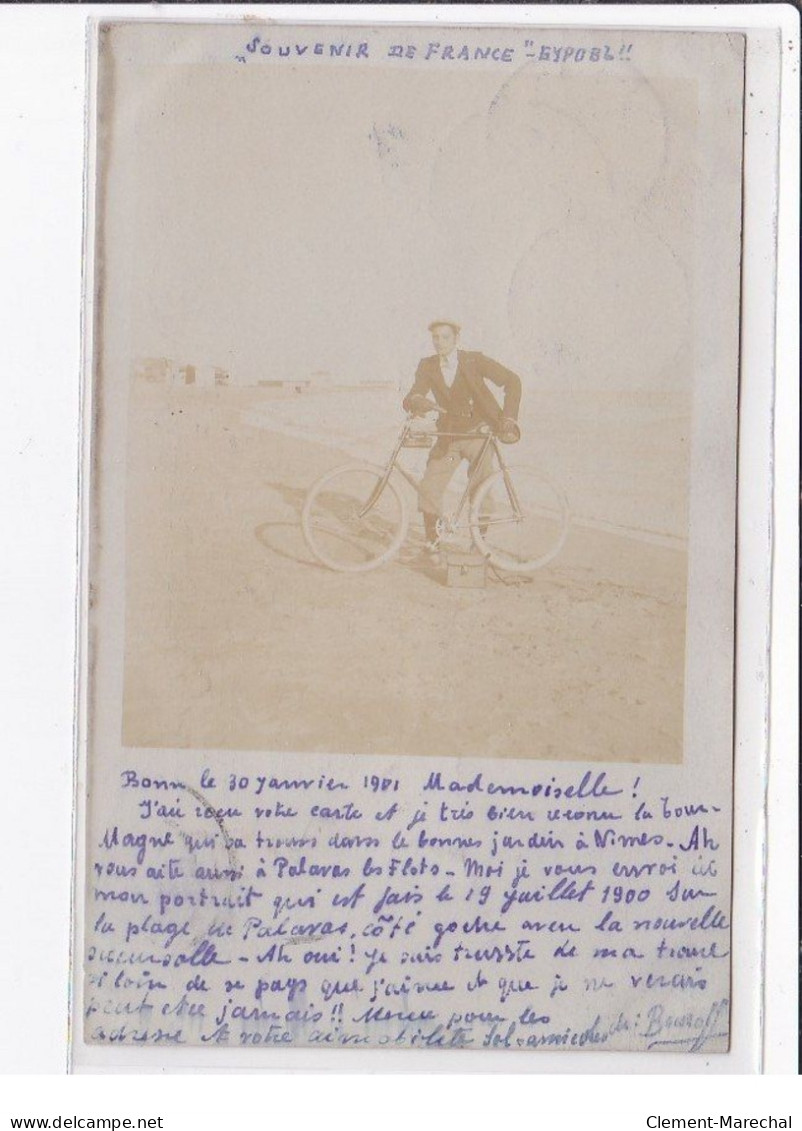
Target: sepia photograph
{"points": [[412, 541], [410, 341]]}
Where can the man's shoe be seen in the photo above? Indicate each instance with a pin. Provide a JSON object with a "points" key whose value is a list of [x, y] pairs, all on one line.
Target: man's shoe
{"points": [[432, 552]]}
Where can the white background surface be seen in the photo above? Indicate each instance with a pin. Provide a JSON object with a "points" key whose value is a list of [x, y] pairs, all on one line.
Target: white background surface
{"points": [[42, 80]]}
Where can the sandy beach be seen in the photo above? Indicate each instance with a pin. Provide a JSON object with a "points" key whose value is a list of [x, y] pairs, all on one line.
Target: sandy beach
{"points": [[237, 639]]}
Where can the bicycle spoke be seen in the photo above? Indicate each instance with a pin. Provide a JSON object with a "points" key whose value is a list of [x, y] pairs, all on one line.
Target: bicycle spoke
{"points": [[353, 519], [519, 520]]}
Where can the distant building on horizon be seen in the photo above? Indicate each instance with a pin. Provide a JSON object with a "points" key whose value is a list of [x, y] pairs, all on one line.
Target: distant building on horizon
{"points": [[166, 371], [377, 383], [300, 385], [320, 379], [182, 374], [153, 370]]}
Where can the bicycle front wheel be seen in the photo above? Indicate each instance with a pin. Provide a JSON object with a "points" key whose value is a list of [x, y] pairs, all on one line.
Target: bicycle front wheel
{"points": [[519, 520], [353, 520]]}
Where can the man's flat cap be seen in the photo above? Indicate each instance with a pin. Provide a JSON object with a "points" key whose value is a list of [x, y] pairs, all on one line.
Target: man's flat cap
{"points": [[455, 326]]}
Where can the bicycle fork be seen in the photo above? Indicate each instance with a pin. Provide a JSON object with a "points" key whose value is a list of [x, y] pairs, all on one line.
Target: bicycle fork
{"points": [[376, 493]]}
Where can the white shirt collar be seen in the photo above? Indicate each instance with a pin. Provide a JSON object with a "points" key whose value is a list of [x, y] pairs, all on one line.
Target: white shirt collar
{"points": [[448, 364]]}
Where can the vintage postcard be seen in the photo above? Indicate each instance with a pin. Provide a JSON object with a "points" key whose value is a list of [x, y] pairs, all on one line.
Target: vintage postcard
{"points": [[411, 550]]}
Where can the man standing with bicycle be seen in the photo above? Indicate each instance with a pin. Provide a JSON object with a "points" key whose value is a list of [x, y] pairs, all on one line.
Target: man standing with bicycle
{"points": [[457, 382]]}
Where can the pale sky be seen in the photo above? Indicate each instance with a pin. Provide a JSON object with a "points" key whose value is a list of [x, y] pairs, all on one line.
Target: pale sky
{"points": [[293, 220]]}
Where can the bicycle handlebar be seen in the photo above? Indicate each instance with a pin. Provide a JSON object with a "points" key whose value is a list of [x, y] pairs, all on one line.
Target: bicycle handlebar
{"points": [[431, 406], [482, 430]]}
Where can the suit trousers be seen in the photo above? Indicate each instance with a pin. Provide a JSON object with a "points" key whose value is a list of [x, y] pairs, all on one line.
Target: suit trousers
{"points": [[443, 462]]}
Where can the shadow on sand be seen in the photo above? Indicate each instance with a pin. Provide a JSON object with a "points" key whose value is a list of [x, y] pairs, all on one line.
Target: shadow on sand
{"points": [[285, 538]]}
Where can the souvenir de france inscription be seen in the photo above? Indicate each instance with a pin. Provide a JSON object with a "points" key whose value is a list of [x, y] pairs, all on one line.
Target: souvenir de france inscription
{"points": [[411, 542]]}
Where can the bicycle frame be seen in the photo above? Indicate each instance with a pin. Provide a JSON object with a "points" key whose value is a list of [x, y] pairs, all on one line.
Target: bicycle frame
{"points": [[489, 442]]}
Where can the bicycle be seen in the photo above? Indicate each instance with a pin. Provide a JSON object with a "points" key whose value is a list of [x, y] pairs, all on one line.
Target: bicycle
{"points": [[355, 518]]}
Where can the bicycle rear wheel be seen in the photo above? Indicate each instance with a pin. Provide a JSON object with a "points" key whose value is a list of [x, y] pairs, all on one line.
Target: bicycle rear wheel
{"points": [[519, 520], [352, 521]]}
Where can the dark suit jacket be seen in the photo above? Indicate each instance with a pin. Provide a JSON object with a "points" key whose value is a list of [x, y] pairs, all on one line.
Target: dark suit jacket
{"points": [[474, 370]]}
